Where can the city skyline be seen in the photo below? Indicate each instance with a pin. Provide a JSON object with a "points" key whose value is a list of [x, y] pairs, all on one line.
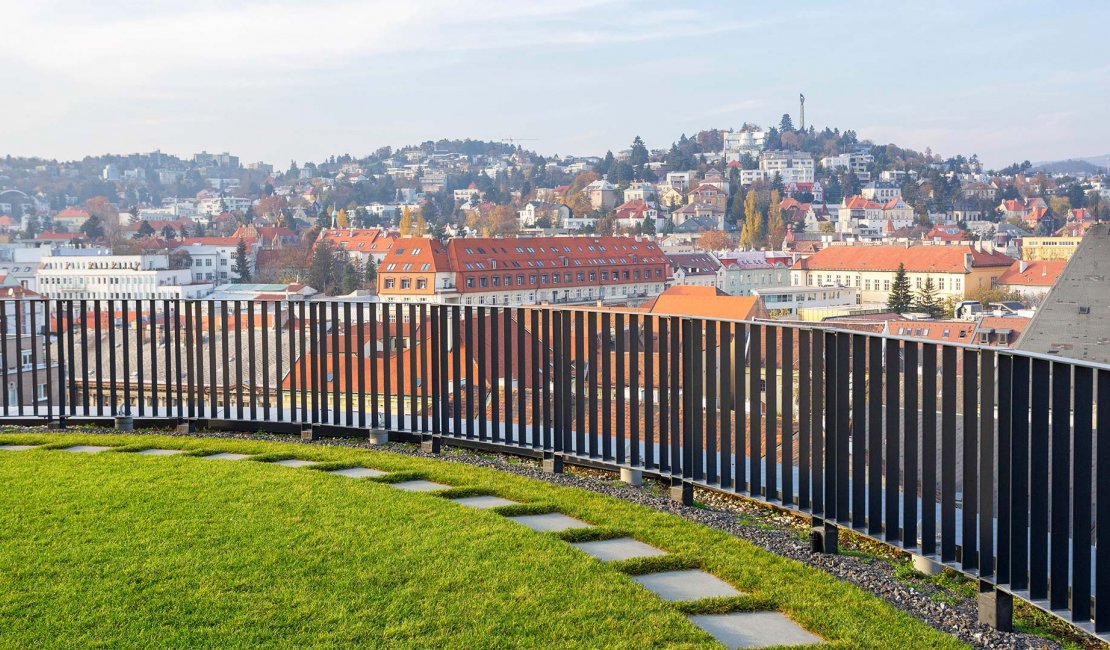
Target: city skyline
{"points": [[280, 82]]}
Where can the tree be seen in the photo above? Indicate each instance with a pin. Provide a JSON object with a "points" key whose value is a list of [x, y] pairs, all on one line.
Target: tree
{"points": [[341, 219], [420, 227], [320, 268], [405, 224], [751, 236], [638, 157], [900, 300], [93, 228], [715, 240], [927, 301], [241, 266], [776, 227], [371, 271], [826, 228], [786, 125], [648, 227], [145, 229]]}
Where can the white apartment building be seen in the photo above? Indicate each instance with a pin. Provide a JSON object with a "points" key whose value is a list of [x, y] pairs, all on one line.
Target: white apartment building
{"points": [[116, 277], [790, 299], [213, 206], [882, 191], [738, 143], [213, 262], [856, 163], [791, 166]]}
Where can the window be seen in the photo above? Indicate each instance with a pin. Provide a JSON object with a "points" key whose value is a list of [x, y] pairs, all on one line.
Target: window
{"points": [[390, 267], [483, 281], [581, 276], [390, 283], [520, 279], [406, 283], [421, 283], [497, 280], [470, 283]]}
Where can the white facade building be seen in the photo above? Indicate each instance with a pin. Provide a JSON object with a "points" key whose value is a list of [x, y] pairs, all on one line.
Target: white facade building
{"points": [[856, 163], [116, 277]]}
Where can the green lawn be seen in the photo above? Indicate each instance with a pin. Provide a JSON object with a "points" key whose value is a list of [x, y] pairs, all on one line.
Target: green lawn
{"points": [[120, 550]]}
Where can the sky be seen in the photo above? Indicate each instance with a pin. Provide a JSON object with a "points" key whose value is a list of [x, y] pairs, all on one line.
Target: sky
{"points": [[281, 80]]}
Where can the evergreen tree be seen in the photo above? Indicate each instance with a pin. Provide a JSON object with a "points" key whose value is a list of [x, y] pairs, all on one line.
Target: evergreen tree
{"points": [[371, 272], [242, 265], [786, 125], [900, 300], [93, 228], [145, 229], [927, 301]]}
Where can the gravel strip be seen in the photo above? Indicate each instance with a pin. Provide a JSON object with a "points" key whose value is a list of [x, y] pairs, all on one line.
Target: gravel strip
{"points": [[778, 533]]}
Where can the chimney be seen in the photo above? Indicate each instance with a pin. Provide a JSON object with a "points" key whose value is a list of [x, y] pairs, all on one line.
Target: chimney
{"points": [[1022, 266], [967, 262]]}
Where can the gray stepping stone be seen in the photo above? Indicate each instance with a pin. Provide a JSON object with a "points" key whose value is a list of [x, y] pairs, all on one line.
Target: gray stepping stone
{"points": [[622, 548], [294, 462], [16, 447], [226, 456], [160, 452], [755, 629], [692, 584], [483, 503], [420, 486], [357, 472], [85, 449], [551, 522]]}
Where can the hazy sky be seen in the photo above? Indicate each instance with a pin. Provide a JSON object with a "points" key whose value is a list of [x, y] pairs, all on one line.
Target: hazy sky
{"points": [[276, 81]]}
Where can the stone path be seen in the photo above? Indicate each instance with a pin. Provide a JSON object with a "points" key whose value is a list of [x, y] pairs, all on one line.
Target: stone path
{"points": [[733, 630]]}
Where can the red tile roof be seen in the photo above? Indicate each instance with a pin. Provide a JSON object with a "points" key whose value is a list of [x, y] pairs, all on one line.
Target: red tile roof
{"points": [[1033, 274], [918, 259]]}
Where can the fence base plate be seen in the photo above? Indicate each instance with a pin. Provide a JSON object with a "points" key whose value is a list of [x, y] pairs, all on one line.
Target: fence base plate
{"points": [[378, 436], [682, 492], [552, 464], [996, 607]]}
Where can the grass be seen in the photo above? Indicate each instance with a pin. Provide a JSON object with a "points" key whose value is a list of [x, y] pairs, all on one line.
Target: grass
{"points": [[114, 549]]}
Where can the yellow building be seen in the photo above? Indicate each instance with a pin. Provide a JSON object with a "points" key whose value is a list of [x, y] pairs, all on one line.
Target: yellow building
{"points": [[1042, 249], [957, 271]]}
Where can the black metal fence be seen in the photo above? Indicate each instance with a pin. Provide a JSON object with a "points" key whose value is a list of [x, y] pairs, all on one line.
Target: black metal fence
{"points": [[985, 460]]}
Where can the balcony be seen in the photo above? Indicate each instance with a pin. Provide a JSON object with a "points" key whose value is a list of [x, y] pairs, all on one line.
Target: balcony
{"points": [[979, 459]]}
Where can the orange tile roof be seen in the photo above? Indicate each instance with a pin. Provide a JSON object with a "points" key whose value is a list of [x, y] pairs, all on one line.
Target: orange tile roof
{"points": [[705, 302], [367, 240], [1036, 274], [918, 259]]}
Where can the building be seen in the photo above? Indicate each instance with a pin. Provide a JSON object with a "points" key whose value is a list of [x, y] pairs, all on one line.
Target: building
{"points": [[1032, 279], [786, 301], [271, 292], [23, 351], [72, 218], [634, 213], [1074, 319], [492, 271], [117, 277], [789, 166], [859, 215], [361, 244], [213, 258], [743, 272], [707, 193], [748, 141], [1036, 249], [640, 191], [215, 205], [881, 191], [602, 195], [858, 163], [696, 268], [957, 271], [704, 302]]}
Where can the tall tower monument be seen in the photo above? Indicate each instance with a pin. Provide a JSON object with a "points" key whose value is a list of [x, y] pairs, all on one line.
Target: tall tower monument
{"points": [[802, 116]]}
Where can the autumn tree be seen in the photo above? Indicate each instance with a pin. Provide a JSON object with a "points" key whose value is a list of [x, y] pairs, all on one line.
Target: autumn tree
{"points": [[420, 226], [776, 227], [405, 224], [751, 236], [715, 240], [341, 219]]}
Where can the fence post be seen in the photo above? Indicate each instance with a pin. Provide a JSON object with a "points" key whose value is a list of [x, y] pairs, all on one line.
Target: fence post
{"points": [[824, 534], [682, 490]]}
